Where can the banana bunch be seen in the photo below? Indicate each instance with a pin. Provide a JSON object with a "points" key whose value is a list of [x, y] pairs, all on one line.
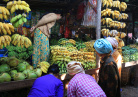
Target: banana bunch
{"points": [[72, 41], [120, 42], [106, 21], [6, 28], [80, 46], [62, 66], [18, 20], [107, 3], [4, 41], [123, 6], [89, 46], [116, 4], [117, 24], [105, 32], [124, 16], [115, 14], [18, 5], [121, 25], [5, 0], [58, 50], [106, 12], [43, 66], [89, 65], [77, 56], [70, 48], [113, 33], [121, 34], [21, 41], [4, 13], [88, 56]]}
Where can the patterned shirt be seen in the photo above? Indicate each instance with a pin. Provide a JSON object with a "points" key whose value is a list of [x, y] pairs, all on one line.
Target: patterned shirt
{"points": [[109, 77], [83, 85]]}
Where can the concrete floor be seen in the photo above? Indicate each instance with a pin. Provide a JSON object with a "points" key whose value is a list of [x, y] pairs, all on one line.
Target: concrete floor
{"points": [[129, 91]]}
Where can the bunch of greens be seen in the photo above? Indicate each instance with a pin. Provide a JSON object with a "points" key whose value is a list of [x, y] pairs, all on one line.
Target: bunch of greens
{"points": [[18, 52]]}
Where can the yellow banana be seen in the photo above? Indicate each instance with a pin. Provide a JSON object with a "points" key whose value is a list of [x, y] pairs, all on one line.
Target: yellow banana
{"points": [[9, 5], [22, 41], [4, 31], [11, 27], [7, 28], [3, 10], [5, 17], [16, 7], [0, 40], [18, 40], [13, 9], [24, 3], [1, 16], [7, 11], [19, 2], [20, 7], [14, 41]]}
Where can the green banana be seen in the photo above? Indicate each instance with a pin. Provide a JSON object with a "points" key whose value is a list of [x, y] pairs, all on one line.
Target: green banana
{"points": [[24, 19], [14, 19], [20, 21]]}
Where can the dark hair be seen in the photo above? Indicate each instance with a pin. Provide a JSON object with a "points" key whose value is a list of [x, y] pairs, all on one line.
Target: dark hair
{"points": [[53, 69]]}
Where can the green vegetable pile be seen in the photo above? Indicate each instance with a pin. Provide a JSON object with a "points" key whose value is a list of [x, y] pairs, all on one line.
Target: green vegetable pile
{"points": [[20, 53], [129, 54]]}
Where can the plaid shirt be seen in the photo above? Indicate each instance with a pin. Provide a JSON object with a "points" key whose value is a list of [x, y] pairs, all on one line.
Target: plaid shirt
{"points": [[83, 85]]}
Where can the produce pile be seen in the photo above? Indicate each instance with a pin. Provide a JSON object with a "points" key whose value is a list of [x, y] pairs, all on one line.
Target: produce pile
{"points": [[70, 50], [19, 52], [13, 69], [130, 53], [112, 16], [18, 5]]}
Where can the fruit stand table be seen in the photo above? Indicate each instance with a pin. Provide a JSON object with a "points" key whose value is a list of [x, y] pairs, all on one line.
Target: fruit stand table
{"points": [[14, 85]]}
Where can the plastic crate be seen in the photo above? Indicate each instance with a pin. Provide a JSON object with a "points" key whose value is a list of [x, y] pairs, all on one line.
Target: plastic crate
{"points": [[3, 52]]}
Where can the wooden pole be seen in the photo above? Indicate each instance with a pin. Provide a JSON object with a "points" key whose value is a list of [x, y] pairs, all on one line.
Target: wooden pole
{"points": [[98, 28]]}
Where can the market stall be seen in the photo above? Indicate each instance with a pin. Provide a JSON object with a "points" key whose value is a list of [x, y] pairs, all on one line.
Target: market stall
{"points": [[72, 38]]}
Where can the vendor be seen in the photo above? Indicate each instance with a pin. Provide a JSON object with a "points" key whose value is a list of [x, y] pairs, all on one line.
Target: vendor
{"points": [[108, 74], [41, 37], [116, 55]]}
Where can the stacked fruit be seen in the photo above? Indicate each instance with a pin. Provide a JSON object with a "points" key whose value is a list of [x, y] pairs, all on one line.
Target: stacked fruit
{"points": [[123, 6], [89, 46], [113, 33], [4, 41], [18, 20], [13, 69], [77, 56], [110, 3], [117, 24], [107, 3], [21, 41], [43, 66], [123, 16], [18, 5], [5, 0], [4, 13], [61, 56], [6, 28]]}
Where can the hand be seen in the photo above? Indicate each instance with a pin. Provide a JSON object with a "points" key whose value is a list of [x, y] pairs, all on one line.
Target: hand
{"points": [[32, 29]]}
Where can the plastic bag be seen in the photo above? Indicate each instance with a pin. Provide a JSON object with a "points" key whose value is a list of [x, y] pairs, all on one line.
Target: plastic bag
{"points": [[90, 15]]}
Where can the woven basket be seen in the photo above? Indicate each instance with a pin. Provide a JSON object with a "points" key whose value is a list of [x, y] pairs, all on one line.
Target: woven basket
{"points": [[125, 75]]}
